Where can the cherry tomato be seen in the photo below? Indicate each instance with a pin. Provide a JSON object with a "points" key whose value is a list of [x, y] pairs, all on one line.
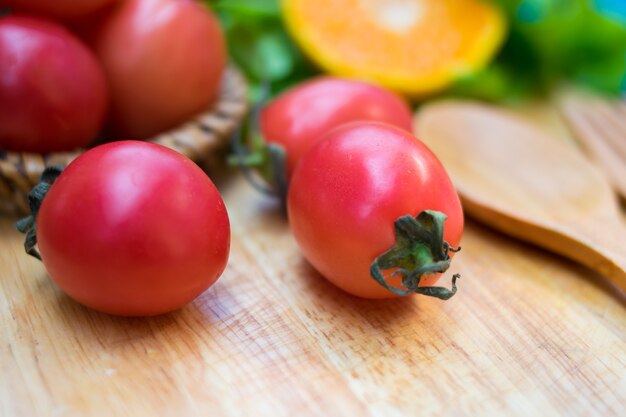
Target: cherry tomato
{"points": [[53, 93], [164, 60], [134, 229], [298, 118], [350, 188], [58, 9]]}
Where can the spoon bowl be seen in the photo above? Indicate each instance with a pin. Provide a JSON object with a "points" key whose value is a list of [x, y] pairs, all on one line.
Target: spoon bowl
{"points": [[516, 178]]}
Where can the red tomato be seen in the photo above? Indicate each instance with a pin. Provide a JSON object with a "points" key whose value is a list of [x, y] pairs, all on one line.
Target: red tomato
{"points": [[58, 9], [53, 93], [297, 119], [350, 188], [134, 229], [164, 60]]}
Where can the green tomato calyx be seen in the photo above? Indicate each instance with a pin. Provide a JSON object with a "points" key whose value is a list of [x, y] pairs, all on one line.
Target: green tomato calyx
{"points": [[252, 152], [419, 251]]}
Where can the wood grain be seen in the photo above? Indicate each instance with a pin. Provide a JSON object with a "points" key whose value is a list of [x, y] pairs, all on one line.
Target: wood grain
{"points": [[528, 334]]}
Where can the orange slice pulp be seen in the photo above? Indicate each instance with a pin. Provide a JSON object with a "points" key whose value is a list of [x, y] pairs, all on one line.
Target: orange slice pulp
{"points": [[415, 47]]}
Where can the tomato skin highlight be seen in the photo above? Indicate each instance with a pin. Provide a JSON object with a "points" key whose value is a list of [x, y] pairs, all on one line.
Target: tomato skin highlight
{"points": [[133, 229], [164, 61], [299, 118], [53, 94], [348, 190]]}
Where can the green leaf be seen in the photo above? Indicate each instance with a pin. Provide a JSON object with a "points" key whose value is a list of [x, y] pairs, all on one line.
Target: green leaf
{"points": [[260, 45], [551, 41], [248, 9], [276, 58]]}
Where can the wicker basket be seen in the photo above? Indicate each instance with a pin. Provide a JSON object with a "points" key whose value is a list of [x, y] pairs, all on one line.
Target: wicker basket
{"points": [[202, 139]]}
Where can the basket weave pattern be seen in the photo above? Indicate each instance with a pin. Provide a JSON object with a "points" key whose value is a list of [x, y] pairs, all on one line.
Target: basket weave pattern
{"points": [[201, 139]]}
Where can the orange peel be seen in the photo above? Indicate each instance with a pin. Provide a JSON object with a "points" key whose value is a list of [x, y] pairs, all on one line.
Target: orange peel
{"points": [[415, 47]]}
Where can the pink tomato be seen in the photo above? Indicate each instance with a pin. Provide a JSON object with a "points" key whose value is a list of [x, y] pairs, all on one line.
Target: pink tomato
{"points": [[300, 117], [134, 229], [53, 94], [164, 61]]}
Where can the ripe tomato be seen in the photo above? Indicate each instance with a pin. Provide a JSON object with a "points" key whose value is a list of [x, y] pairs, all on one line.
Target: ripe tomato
{"points": [[134, 229], [164, 60], [53, 93], [58, 9], [347, 192], [299, 118]]}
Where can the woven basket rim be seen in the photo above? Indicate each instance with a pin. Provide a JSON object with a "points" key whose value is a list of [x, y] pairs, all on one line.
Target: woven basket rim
{"points": [[200, 139]]}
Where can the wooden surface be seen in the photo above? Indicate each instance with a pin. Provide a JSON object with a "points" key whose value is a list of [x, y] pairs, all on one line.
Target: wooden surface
{"points": [[517, 178], [528, 334]]}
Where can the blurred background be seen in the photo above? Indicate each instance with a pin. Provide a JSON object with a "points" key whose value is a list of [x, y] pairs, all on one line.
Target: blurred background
{"points": [[546, 43]]}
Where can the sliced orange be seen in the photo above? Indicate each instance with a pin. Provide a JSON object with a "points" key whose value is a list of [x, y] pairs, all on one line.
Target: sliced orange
{"points": [[411, 46]]}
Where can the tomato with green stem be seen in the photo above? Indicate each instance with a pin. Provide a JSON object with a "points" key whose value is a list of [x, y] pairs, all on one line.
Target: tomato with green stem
{"points": [[374, 211], [293, 122], [130, 228]]}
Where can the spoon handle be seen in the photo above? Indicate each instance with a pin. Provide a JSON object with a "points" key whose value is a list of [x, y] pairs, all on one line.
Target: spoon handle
{"points": [[603, 249], [601, 246]]}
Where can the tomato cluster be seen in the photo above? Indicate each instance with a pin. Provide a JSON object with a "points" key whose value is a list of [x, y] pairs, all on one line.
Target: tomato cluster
{"points": [[300, 117], [71, 69], [367, 201], [129, 227], [134, 228]]}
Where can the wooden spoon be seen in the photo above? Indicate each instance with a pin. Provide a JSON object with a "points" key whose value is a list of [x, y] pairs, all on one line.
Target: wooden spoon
{"points": [[600, 124], [524, 182]]}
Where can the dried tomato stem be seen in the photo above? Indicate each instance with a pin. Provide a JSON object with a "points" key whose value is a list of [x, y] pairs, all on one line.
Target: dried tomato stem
{"points": [[28, 224], [255, 153]]}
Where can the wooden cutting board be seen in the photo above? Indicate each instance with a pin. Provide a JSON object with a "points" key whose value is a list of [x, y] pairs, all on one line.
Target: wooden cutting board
{"points": [[528, 334]]}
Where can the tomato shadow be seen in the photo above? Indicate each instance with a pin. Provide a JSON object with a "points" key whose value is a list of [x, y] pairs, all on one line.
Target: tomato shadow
{"points": [[221, 174], [367, 333], [86, 320], [97, 332], [383, 315], [254, 209], [271, 212]]}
